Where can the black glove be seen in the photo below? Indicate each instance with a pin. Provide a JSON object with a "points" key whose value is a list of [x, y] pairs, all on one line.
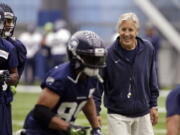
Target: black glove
{"points": [[96, 131], [4, 76], [77, 130]]}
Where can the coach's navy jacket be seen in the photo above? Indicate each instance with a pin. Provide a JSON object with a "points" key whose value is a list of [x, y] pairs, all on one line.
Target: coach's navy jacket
{"points": [[122, 76]]}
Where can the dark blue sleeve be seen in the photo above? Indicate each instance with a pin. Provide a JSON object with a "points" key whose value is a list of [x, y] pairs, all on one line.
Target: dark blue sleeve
{"points": [[21, 68], [21, 51], [173, 102], [53, 83], [21, 54], [12, 59]]}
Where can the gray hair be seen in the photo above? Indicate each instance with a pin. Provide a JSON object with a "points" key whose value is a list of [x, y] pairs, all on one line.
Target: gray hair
{"points": [[128, 16]]}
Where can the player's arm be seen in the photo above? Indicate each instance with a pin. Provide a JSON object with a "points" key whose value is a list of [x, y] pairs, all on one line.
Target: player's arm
{"points": [[97, 98], [22, 55], [12, 64], [13, 77], [42, 111], [90, 111], [97, 95], [173, 125]]}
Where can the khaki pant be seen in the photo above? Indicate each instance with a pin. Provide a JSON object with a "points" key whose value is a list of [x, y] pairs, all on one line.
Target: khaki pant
{"points": [[122, 125]]}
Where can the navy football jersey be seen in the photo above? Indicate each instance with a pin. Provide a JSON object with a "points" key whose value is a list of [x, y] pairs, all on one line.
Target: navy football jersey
{"points": [[73, 94], [21, 54], [173, 102], [8, 60]]}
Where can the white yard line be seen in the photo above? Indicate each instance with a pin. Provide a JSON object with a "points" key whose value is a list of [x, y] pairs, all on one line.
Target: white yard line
{"points": [[28, 88]]}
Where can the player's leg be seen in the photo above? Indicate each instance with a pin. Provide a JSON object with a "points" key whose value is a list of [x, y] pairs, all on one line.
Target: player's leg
{"points": [[119, 125], [173, 125], [8, 117], [2, 118], [5, 118]]}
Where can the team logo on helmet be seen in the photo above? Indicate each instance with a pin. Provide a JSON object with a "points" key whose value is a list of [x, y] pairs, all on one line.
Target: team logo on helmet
{"points": [[50, 80], [73, 45]]}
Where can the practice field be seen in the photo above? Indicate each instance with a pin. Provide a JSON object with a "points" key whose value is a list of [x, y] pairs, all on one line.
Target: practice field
{"points": [[23, 103]]}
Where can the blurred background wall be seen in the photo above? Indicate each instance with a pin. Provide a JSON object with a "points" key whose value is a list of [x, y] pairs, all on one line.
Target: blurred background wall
{"points": [[101, 16]]}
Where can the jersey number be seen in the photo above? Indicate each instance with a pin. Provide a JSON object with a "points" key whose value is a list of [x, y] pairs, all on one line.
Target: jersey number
{"points": [[68, 110]]}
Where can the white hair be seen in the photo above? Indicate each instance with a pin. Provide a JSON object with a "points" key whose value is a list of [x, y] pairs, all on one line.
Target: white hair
{"points": [[128, 16]]}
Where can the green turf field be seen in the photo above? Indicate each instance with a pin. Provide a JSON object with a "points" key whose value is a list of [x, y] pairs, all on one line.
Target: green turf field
{"points": [[23, 102]]}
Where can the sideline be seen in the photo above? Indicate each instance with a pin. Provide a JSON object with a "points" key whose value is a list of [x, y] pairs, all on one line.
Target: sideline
{"points": [[28, 88]]}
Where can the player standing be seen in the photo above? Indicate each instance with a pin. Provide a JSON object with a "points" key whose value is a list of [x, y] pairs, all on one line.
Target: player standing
{"points": [[8, 31], [8, 76]]}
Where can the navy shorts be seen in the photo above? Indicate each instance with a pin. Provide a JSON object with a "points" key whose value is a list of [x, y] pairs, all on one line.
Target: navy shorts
{"points": [[173, 102]]}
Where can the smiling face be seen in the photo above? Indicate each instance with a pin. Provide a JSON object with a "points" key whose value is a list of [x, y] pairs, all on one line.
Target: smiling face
{"points": [[128, 32]]}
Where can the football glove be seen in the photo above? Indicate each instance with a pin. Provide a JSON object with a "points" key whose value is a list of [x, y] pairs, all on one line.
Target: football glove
{"points": [[13, 89], [77, 130], [4, 76], [96, 131]]}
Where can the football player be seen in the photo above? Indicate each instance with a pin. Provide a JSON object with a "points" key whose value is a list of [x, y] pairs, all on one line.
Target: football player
{"points": [[173, 112], [8, 31], [8, 76], [67, 89]]}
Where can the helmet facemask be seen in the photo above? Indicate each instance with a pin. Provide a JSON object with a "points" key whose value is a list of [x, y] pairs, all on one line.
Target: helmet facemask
{"points": [[93, 61], [91, 71], [10, 23]]}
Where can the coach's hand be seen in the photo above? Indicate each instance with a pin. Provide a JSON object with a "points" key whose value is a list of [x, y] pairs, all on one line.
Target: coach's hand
{"points": [[77, 130], [96, 131], [154, 115]]}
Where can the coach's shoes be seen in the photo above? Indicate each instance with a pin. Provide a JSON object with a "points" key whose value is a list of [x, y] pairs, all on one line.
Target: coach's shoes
{"points": [[96, 131]]}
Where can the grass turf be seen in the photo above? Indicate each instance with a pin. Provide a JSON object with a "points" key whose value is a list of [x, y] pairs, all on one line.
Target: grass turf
{"points": [[24, 102]]}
